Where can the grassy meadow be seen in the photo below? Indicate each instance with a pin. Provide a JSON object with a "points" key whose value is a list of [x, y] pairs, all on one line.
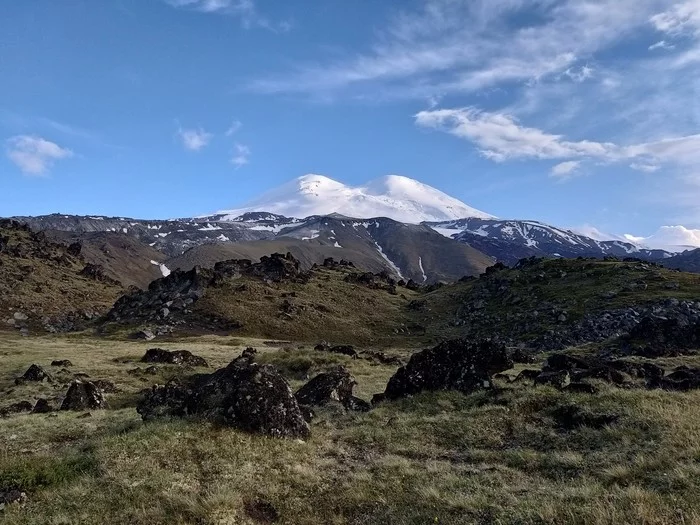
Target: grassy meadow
{"points": [[499, 457]]}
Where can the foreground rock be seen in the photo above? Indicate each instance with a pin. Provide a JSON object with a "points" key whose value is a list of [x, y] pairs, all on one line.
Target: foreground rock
{"points": [[34, 374], [337, 349], [244, 395], [665, 336], [457, 364], [16, 408], [336, 385], [83, 395], [12, 496], [42, 406], [175, 357]]}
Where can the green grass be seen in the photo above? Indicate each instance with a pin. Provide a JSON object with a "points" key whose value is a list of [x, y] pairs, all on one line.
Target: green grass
{"points": [[436, 458], [575, 286]]}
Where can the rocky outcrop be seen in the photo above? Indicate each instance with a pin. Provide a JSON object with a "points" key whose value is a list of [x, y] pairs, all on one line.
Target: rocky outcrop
{"points": [[175, 357], [458, 364], [97, 272], [336, 385], [376, 281], [336, 349], [244, 395], [83, 395], [666, 335], [42, 406], [171, 299], [34, 374], [16, 408]]}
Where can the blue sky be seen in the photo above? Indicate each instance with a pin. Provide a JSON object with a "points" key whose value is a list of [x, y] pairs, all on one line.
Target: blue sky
{"points": [[568, 111]]}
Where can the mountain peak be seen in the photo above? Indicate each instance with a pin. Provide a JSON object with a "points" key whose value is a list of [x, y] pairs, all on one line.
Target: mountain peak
{"points": [[394, 196]]}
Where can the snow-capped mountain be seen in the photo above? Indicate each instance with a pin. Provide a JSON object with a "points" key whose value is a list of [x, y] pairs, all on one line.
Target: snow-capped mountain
{"points": [[396, 197], [511, 240]]}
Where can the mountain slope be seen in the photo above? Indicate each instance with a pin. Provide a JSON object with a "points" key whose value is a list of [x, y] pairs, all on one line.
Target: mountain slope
{"points": [[123, 257], [408, 251], [688, 261], [511, 240], [400, 198], [43, 283]]}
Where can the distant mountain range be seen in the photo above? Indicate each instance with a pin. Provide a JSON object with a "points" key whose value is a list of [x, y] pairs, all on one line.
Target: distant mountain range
{"points": [[415, 232]]}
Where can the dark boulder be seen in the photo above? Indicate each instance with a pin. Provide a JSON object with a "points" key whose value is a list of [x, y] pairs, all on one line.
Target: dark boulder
{"points": [[570, 417], [244, 394], [12, 497], [249, 352], [34, 373], [580, 388], [527, 375], [175, 357], [144, 335], [382, 358], [97, 272], [558, 378], [83, 395], [681, 379], [557, 362], [664, 336], [336, 349], [261, 511], [61, 362], [16, 408], [336, 385], [456, 364], [522, 356], [74, 249], [42, 406]]}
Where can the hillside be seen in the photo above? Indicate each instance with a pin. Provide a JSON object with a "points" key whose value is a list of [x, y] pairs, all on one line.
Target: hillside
{"points": [[406, 251], [45, 285], [123, 257], [688, 261], [556, 302]]}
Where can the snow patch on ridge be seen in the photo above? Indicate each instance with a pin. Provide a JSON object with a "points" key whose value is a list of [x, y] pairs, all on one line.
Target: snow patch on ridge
{"points": [[420, 265], [386, 258], [163, 269]]}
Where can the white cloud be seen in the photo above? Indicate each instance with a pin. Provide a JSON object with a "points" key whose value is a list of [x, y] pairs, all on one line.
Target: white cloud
{"points": [[580, 74], [674, 238], [566, 169], [245, 10], [234, 127], [647, 168], [241, 155], [207, 6], [194, 139], [661, 44], [501, 137], [681, 18], [468, 45], [35, 155]]}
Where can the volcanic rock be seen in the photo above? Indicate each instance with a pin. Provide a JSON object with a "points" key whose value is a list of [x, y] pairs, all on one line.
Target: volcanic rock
{"points": [[83, 395], [175, 357], [34, 373], [336, 385], [244, 394], [456, 364]]}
